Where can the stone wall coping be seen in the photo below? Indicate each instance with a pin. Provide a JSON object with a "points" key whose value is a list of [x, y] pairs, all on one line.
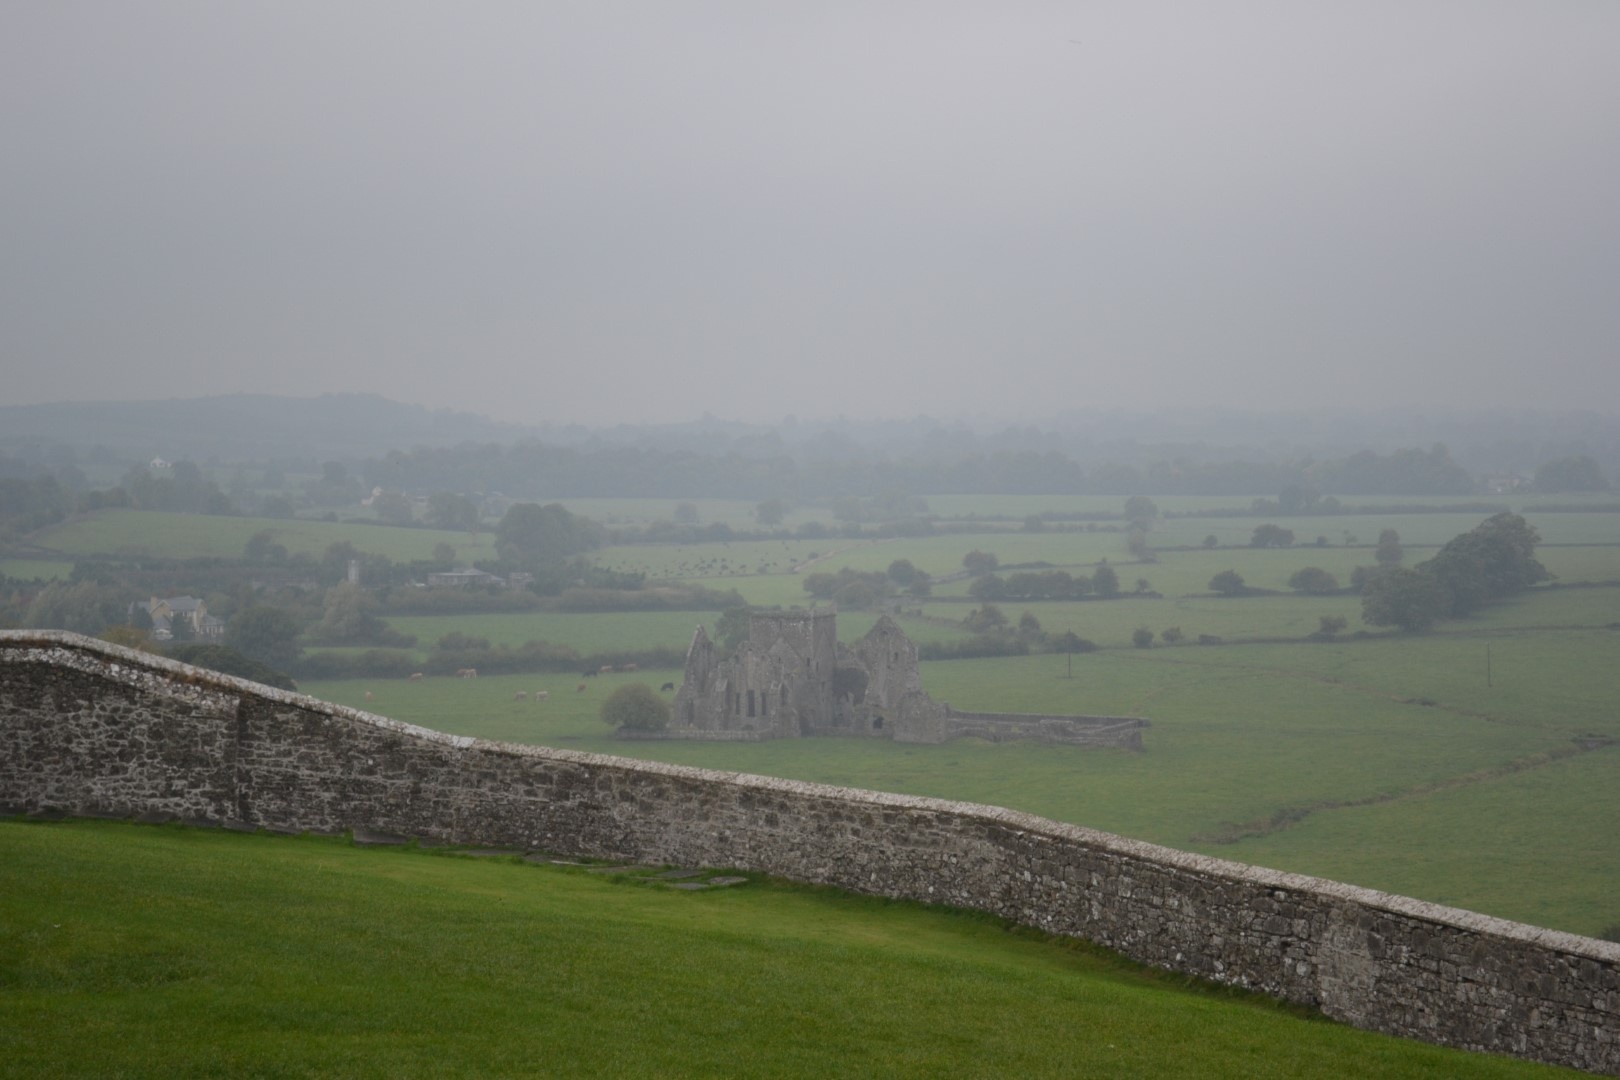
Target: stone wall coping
{"points": [[57, 646]]}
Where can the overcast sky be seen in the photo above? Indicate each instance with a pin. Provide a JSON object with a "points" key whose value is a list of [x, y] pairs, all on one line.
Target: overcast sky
{"points": [[597, 211]]}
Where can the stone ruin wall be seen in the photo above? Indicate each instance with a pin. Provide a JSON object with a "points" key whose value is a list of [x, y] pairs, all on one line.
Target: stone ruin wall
{"points": [[1122, 732], [88, 727]]}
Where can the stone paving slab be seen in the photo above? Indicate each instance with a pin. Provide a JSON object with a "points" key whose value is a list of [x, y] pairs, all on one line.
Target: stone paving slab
{"points": [[722, 882]]}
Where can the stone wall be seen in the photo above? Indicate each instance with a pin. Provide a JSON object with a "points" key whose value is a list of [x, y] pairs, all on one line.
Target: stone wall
{"points": [[1123, 732], [88, 727]]}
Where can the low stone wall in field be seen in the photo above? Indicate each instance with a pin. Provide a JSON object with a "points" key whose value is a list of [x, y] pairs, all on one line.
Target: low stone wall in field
{"points": [[89, 727], [1122, 732]]}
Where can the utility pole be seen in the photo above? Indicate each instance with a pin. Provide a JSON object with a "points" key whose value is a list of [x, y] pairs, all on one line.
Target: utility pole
{"points": [[1487, 663]]}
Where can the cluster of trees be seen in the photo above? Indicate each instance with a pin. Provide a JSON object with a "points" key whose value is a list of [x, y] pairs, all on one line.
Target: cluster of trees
{"points": [[773, 471], [1028, 585], [996, 635], [1579, 473], [850, 588], [1493, 560]]}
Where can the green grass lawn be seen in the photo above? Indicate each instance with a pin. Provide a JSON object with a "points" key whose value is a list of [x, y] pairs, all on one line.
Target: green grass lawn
{"points": [[160, 952]]}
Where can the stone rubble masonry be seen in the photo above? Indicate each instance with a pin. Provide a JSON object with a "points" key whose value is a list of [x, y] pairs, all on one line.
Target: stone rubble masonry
{"points": [[87, 727]]}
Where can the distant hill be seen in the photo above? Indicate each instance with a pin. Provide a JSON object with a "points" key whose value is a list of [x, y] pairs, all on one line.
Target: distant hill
{"points": [[245, 427]]}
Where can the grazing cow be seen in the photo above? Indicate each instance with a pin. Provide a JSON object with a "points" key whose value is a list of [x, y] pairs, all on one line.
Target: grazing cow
{"points": [[521, 695], [605, 669], [628, 667], [580, 688], [368, 695], [541, 695], [416, 676], [667, 686], [467, 673], [587, 674]]}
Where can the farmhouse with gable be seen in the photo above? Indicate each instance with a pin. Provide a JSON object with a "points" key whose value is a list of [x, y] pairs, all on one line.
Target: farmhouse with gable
{"points": [[792, 677]]}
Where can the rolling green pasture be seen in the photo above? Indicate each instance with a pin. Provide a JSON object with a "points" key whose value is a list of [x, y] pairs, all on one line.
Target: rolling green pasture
{"points": [[181, 536], [30, 569], [1111, 622], [586, 632], [161, 952], [734, 558]]}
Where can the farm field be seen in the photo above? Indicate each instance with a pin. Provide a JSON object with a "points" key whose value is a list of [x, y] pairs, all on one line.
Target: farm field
{"points": [[141, 951], [30, 569], [1289, 752], [183, 536]]}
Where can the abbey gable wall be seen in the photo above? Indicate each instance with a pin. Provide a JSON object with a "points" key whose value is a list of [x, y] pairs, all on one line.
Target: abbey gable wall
{"points": [[87, 727]]}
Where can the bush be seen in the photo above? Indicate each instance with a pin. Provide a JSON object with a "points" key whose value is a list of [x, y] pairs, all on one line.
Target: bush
{"points": [[227, 661], [635, 707], [1314, 580], [1171, 635], [1142, 637], [1228, 583], [1328, 625]]}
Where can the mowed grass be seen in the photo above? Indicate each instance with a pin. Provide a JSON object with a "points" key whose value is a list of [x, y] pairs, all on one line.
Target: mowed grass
{"points": [[184, 536], [161, 952]]}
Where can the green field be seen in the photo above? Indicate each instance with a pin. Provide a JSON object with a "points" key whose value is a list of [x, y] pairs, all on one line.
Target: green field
{"points": [[1367, 759], [160, 952], [184, 536], [30, 569]]}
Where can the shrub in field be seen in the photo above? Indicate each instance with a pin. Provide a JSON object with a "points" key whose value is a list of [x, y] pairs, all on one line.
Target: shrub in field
{"points": [[635, 707], [1266, 536], [1228, 583], [1142, 637], [1171, 635], [1313, 579], [1329, 625]]}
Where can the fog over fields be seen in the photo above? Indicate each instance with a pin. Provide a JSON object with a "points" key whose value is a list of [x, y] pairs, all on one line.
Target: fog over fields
{"points": [[624, 211]]}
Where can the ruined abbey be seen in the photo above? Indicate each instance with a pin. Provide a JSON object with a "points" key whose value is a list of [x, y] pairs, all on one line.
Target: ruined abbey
{"points": [[792, 677]]}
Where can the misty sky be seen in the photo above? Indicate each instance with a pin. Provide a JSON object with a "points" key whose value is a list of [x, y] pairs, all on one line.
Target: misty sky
{"points": [[597, 211]]}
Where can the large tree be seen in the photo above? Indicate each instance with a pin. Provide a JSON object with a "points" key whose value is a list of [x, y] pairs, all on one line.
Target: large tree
{"points": [[267, 634], [1409, 599], [532, 535], [1494, 559]]}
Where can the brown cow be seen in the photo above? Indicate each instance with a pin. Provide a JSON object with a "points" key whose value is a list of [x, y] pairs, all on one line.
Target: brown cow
{"points": [[541, 695], [521, 695], [605, 669], [580, 688], [628, 667], [467, 673]]}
